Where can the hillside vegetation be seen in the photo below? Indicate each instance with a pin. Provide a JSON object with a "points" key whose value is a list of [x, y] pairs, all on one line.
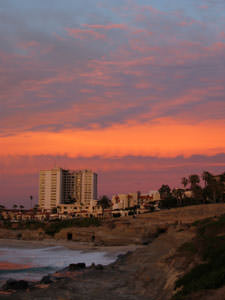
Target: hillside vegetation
{"points": [[50, 228], [209, 246]]}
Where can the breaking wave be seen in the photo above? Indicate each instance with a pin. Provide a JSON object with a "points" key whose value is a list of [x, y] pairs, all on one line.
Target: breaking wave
{"points": [[37, 262]]}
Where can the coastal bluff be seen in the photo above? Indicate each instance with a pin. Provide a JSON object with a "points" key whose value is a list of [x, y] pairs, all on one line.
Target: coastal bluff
{"points": [[125, 230], [149, 272], [143, 274]]}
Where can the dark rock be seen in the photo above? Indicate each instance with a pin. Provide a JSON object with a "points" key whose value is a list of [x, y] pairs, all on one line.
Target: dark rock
{"points": [[99, 267], [46, 280], [58, 278], [12, 284], [145, 242], [123, 256], [120, 256], [75, 267], [96, 267]]}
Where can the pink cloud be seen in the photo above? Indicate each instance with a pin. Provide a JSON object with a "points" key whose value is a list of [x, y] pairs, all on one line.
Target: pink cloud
{"points": [[107, 26], [84, 34], [222, 35], [187, 23], [143, 85], [204, 7], [87, 91], [28, 44]]}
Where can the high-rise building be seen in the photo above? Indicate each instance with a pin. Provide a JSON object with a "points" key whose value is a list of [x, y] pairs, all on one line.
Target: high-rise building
{"points": [[50, 188], [86, 186], [59, 186]]}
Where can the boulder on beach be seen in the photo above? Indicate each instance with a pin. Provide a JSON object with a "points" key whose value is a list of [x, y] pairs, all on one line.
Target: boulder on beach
{"points": [[46, 279], [76, 267], [12, 284]]}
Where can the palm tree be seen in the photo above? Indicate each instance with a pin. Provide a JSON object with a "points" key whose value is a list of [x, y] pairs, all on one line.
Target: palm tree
{"points": [[194, 180], [220, 190], [178, 194], [207, 177], [31, 198], [104, 202], [21, 207], [214, 187], [164, 191], [196, 189], [222, 177], [184, 181], [15, 206]]}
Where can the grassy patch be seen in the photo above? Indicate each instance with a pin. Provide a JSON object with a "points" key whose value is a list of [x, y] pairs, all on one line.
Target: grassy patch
{"points": [[188, 248], [56, 226], [209, 245], [53, 227], [201, 222]]}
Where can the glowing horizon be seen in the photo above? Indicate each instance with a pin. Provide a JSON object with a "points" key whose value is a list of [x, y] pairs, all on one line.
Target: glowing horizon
{"points": [[163, 138]]}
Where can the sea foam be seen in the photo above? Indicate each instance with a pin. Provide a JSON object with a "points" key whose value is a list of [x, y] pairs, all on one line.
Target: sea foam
{"points": [[42, 261]]}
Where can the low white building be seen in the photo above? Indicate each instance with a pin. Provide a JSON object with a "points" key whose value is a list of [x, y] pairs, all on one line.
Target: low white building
{"points": [[125, 201], [141, 202], [80, 210]]}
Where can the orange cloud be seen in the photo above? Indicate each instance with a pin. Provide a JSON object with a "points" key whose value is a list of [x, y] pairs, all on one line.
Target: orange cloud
{"points": [[163, 138]]}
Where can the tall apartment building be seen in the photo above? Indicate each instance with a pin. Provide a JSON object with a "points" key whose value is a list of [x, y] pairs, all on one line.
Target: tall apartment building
{"points": [[50, 182], [59, 186], [86, 186]]}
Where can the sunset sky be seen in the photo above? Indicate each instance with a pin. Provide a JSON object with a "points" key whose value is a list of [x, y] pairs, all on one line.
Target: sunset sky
{"points": [[132, 89]]}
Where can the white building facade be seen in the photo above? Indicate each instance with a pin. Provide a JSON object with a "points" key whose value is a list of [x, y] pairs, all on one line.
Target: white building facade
{"points": [[138, 201], [125, 201], [57, 186]]}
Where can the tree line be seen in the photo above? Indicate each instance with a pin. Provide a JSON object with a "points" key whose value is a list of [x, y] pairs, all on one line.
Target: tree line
{"points": [[212, 191]]}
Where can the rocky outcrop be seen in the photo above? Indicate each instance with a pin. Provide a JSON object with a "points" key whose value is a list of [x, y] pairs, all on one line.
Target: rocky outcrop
{"points": [[76, 267], [12, 284]]}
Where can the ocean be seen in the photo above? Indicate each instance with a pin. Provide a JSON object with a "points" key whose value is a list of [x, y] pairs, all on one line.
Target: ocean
{"points": [[33, 263]]}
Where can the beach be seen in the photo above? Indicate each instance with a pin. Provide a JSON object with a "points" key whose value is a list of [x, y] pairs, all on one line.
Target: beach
{"points": [[31, 260]]}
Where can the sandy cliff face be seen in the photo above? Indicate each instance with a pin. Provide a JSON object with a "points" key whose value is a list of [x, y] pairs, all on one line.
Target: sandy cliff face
{"points": [[22, 234], [113, 234], [127, 230], [143, 228]]}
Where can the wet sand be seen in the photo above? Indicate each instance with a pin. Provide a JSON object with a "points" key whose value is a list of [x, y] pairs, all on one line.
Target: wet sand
{"points": [[12, 266]]}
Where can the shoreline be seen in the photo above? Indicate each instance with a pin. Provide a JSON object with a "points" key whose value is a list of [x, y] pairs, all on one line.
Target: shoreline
{"points": [[79, 246], [112, 252]]}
